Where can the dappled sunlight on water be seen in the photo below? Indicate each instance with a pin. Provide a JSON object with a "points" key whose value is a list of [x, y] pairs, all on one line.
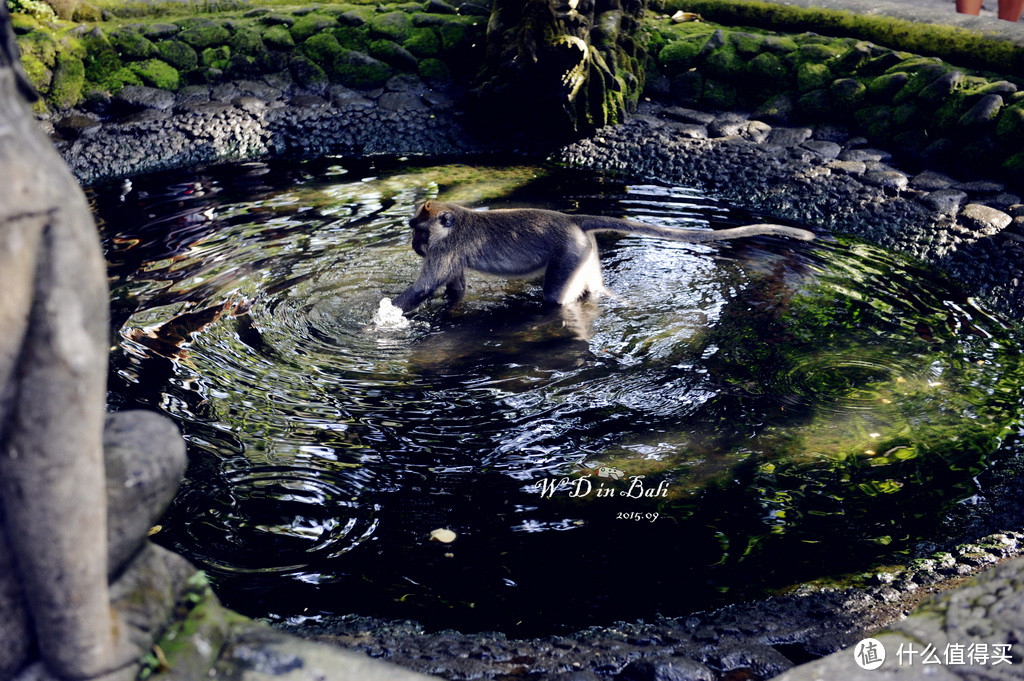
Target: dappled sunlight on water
{"points": [[795, 410]]}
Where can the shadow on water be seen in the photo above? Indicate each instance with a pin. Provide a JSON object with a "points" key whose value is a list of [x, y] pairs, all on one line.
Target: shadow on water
{"points": [[740, 417]]}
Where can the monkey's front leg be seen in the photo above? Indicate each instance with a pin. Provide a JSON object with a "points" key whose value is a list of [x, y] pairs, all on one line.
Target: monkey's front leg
{"points": [[455, 290]]}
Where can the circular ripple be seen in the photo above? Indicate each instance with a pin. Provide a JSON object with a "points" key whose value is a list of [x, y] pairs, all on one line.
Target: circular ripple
{"points": [[274, 519]]}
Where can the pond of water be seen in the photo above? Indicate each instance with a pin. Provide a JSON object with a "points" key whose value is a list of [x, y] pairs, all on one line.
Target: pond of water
{"points": [[739, 417]]}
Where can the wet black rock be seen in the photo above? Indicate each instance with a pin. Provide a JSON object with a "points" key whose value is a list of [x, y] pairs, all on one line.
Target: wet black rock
{"points": [[72, 126], [945, 200], [134, 98], [675, 669], [789, 137], [930, 181], [684, 115]]}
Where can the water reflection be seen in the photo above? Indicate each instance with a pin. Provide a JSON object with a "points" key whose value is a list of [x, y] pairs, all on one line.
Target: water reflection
{"points": [[795, 409]]}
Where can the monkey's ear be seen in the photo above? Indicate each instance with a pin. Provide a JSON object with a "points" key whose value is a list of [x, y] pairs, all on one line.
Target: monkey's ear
{"points": [[446, 219]]}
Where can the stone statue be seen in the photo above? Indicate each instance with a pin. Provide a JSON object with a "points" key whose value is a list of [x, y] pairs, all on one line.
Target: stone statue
{"points": [[575, 65], [78, 488]]}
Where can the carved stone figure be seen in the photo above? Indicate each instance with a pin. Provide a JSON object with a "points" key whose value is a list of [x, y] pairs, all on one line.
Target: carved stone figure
{"points": [[78, 488], [563, 67]]}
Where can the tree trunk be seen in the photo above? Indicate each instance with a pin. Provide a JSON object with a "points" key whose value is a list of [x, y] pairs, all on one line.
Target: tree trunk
{"points": [[562, 68]]}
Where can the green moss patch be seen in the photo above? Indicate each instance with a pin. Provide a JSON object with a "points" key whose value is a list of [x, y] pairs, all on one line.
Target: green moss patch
{"points": [[156, 73], [277, 37], [178, 54], [68, 80], [203, 35]]}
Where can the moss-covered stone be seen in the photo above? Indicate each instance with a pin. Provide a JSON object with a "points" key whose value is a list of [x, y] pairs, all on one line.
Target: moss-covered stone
{"points": [[815, 105], [909, 114], [681, 55], [812, 76], [1010, 126], [914, 140], [925, 75], [23, 23], [434, 71], [767, 71], [312, 24], [277, 37], [720, 95], [423, 42], [395, 26], [454, 36], [687, 87], [1014, 165], [157, 73], [101, 60], [850, 61], [984, 112], [358, 70], [322, 48], [745, 44], [725, 63], [847, 94], [205, 35], [87, 12], [277, 19], [216, 57], [876, 121], [307, 73], [123, 76], [132, 45], [247, 42], [946, 116], [352, 37], [884, 87], [178, 54], [41, 46], [38, 73], [779, 44], [816, 53], [913, 64], [68, 80], [942, 87], [393, 54]]}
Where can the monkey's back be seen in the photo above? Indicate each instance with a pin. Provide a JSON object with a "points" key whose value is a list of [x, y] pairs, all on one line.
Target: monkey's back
{"points": [[516, 242]]}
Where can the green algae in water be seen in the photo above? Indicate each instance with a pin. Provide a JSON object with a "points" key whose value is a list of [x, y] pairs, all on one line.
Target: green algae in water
{"points": [[796, 410]]}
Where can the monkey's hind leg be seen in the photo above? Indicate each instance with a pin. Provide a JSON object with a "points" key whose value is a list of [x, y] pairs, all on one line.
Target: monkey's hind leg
{"points": [[571, 277]]}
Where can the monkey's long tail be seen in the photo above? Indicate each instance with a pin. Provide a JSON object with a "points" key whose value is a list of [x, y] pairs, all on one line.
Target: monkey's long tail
{"points": [[600, 223]]}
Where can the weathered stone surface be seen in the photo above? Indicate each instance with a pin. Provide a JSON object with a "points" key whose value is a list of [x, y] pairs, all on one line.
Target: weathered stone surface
{"points": [[984, 112], [140, 97], [789, 137], [684, 115], [945, 200], [983, 220], [848, 167], [678, 669], [989, 610], [930, 181], [825, 149]]}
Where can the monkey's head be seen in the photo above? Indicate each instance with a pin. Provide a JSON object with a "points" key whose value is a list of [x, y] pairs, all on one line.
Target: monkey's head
{"points": [[431, 221]]}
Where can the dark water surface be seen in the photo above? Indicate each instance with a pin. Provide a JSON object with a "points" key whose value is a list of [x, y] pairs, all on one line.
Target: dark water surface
{"points": [[742, 416]]}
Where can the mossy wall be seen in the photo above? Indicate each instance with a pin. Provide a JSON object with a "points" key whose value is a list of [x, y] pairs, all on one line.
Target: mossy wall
{"points": [[922, 106], [350, 44], [957, 45]]}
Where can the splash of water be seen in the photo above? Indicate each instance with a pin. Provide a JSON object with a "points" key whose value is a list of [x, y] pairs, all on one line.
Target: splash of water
{"points": [[388, 316]]}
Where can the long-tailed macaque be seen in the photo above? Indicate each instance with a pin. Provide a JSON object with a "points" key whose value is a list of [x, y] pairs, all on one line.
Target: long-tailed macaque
{"points": [[523, 242]]}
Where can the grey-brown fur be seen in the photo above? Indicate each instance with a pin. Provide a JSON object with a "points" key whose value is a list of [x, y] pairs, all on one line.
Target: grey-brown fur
{"points": [[526, 241]]}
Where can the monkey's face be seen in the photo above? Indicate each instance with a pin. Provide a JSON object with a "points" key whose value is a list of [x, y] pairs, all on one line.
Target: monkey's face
{"points": [[430, 222]]}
